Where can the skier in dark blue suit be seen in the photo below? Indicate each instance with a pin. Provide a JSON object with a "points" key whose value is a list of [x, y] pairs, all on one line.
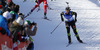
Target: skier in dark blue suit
{"points": [[67, 16]]}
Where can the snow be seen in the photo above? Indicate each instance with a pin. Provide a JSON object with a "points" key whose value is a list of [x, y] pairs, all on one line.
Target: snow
{"points": [[88, 25]]}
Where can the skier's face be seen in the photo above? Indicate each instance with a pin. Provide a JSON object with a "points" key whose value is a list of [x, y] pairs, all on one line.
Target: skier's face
{"points": [[67, 11]]}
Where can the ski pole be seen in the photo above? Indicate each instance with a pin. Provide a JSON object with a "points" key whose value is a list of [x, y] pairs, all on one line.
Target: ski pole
{"points": [[28, 14], [56, 27]]}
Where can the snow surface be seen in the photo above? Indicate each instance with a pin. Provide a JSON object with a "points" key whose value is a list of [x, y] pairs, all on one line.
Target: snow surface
{"points": [[88, 25]]}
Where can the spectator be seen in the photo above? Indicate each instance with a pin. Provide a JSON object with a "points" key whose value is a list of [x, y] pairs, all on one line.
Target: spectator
{"points": [[14, 13], [29, 32], [16, 27], [4, 20]]}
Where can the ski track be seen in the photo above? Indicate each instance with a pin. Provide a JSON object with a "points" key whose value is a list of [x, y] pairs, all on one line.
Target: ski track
{"points": [[88, 25]]}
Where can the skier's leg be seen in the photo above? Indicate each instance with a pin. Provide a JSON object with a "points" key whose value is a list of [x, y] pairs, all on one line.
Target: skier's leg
{"points": [[45, 8], [75, 31], [68, 34], [68, 31], [36, 5]]}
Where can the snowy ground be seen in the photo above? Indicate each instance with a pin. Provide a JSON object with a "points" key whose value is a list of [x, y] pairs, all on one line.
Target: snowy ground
{"points": [[88, 25]]}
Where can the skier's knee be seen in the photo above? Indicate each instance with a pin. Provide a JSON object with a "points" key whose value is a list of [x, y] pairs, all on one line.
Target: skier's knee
{"points": [[75, 30], [77, 35], [68, 34]]}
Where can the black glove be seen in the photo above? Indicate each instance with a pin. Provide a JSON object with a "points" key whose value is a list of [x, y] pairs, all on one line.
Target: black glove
{"points": [[75, 20], [62, 19]]}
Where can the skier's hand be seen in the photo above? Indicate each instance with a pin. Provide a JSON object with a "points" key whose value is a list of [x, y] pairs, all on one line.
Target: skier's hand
{"points": [[75, 20], [62, 20]]}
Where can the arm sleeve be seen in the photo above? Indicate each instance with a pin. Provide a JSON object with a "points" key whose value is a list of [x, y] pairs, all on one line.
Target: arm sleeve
{"points": [[30, 32], [34, 31], [74, 13], [4, 25], [62, 16]]}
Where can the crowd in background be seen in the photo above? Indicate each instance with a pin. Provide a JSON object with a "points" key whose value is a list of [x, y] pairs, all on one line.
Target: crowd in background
{"points": [[13, 24]]}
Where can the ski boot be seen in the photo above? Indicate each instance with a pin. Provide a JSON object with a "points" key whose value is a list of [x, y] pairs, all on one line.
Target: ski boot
{"points": [[69, 42], [78, 38], [45, 17], [69, 38]]}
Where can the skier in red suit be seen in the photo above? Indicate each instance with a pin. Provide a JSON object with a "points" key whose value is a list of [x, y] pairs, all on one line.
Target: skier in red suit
{"points": [[38, 2]]}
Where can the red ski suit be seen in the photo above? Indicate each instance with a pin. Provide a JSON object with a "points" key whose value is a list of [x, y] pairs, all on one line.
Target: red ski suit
{"points": [[45, 5]]}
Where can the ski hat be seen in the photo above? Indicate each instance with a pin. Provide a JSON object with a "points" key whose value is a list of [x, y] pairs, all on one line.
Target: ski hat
{"points": [[67, 8], [27, 22], [19, 20], [7, 15]]}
